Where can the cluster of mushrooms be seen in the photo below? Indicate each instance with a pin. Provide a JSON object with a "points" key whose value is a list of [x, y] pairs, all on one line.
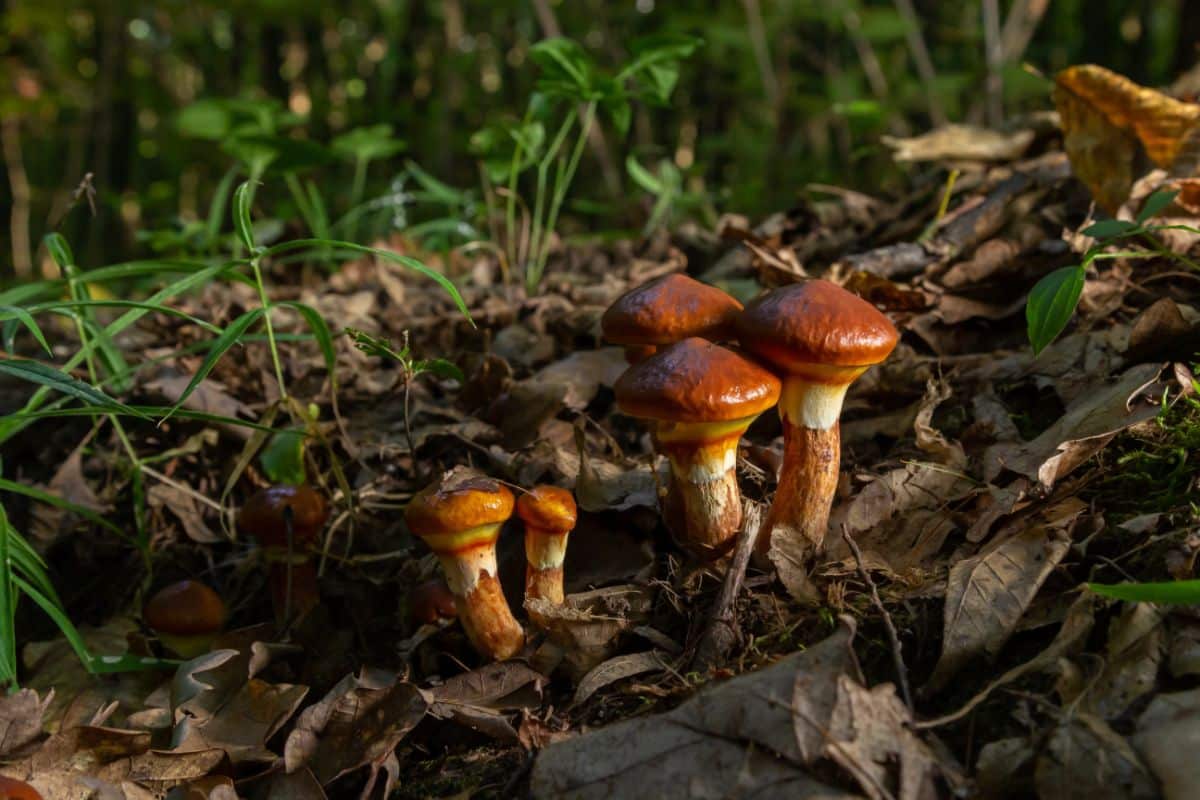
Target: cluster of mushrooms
{"points": [[799, 346]]}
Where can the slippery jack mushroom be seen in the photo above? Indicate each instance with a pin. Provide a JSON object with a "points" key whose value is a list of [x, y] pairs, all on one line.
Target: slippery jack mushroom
{"points": [[549, 515], [700, 398], [186, 616], [459, 516], [286, 521], [821, 338], [13, 789], [667, 310]]}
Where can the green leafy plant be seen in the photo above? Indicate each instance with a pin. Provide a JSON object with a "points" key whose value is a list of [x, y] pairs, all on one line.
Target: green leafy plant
{"points": [[672, 200], [572, 93], [1054, 298], [1173, 592]]}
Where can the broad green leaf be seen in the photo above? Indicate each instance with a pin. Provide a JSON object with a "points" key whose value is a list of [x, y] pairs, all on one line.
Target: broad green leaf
{"points": [[205, 119], [283, 458], [52, 378], [440, 367], [1187, 592], [231, 336], [1155, 203], [439, 192], [241, 216], [1108, 228], [1051, 305]]}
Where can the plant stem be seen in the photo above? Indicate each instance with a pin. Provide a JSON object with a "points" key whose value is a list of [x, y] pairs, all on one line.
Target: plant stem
{"points": [[535, 240], [356, 192], [510, 205], [560, 193], [266, 304]]}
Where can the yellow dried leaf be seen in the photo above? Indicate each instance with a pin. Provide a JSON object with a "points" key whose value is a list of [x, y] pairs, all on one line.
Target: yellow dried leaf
{"points": [[1106, 115]]}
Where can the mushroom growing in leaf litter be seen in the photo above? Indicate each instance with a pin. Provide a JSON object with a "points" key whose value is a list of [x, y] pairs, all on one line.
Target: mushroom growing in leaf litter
{"points": [[700, 398], [186, 616], [459, 516], [286, 521], [667, 310], [549, 514], [820, 338]]}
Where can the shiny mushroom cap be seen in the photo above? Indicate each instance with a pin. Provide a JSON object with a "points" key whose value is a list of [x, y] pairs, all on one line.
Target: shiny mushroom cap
{"points": [[548, 508], [263, 515], [696, 381], [816, 329], [13, 789], [186, 608], [460, 500], [668, 309]]}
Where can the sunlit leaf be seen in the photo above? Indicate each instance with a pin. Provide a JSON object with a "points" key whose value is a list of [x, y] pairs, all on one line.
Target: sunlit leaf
{"points": [[283, 458], [1051, 305], [1187, 592]]}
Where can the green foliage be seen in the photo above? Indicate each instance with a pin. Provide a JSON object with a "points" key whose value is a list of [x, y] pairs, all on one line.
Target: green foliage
{"points": [[283, 458], [1171, 592]]}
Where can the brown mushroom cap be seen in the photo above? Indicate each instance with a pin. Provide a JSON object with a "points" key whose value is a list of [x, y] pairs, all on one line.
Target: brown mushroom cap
{"points": [[816, 323], [696, 381], [668, 309], [263, 515], [13, 789], [186, 608], [548, 507], [459, 501]]}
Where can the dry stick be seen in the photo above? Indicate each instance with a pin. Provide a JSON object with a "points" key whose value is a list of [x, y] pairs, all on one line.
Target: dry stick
{"points": [[920, 55], [893, 637], [18, 184], [721, 633]]}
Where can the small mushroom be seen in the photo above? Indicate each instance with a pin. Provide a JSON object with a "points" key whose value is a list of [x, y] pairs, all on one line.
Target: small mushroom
{"points": [[186, 616], [667, 310], [13, 789], [431, 602], [700, 399], [820, 338], [549, 515], [459, 516], [286, 521]]}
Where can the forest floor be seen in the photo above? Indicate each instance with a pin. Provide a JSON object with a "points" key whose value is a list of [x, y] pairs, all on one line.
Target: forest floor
{"points": [[982, 486]]}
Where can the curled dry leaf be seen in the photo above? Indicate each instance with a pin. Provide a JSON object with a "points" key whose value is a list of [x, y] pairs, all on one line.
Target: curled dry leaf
{"points": [[616, 669], [737, 739], [1168, 733], [602, 486], [960, 143], [21, 719], [1134, 652], [583, 373], [987, 594], [587, 626]]}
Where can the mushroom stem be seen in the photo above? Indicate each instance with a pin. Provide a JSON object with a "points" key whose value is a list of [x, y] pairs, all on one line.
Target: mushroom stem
{"points": [[468, 559], [545, 551], [294, 588], [703, 506], [809, 410]]}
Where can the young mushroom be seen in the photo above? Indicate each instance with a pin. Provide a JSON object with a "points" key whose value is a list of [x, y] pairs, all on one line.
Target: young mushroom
{"points": [[286, 521], [700, 399], [549, 515], [667, 310], [13, 789], [186, 616], [459, 517], [821, 338]]}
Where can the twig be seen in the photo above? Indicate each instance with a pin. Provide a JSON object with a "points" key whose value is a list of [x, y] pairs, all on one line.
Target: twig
{"points": [[18, 184], [721, 632], [920, 56], [893, 637]]}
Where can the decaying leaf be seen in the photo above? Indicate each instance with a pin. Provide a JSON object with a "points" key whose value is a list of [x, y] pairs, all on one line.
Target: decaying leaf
{"points": [[1134, 653], [583, 373], [616, 669], [1168, 735], [21, 719], [1104, 117], [960, 143], [736, 739], [602, 486], [1086, 758], [587, 625], [987, 594]]}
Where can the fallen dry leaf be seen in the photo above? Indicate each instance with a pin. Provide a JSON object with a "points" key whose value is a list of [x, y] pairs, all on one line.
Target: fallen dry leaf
{"points": [[1086, 758], [21, 719], [1168, 734], [616, 669], [960, 143]]}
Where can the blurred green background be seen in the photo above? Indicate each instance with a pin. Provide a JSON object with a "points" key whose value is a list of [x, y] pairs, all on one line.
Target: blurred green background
{"points": [[781, 94]]}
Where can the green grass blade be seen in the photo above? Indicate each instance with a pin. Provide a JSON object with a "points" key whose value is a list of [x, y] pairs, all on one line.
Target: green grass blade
{"points": [[1184, 592], [142, 412], [8, 606], [8, 311], [242, 198], [43, 496], [45, 375], [26, 318], [228, 338], [65, 626]]}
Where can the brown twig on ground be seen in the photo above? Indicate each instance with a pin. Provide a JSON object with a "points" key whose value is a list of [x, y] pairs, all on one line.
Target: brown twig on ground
{"points": [[893, 637], [721, 631]]}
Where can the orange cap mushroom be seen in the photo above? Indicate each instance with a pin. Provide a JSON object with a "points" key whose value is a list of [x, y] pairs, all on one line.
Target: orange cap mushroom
{"points": [[13, 789], [186, 615], [821, 338], [267, 516], [700, 398], [667, 310], [549, 514], [459, 516]]}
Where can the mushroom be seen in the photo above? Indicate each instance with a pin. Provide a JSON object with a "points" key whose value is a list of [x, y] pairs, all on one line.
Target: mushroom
{"points": [[13, 789], [700, 398], [666, 310], [549, 515], [820, 337], [459, 516], [286, 521], [431, 602], [187, 616]]}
